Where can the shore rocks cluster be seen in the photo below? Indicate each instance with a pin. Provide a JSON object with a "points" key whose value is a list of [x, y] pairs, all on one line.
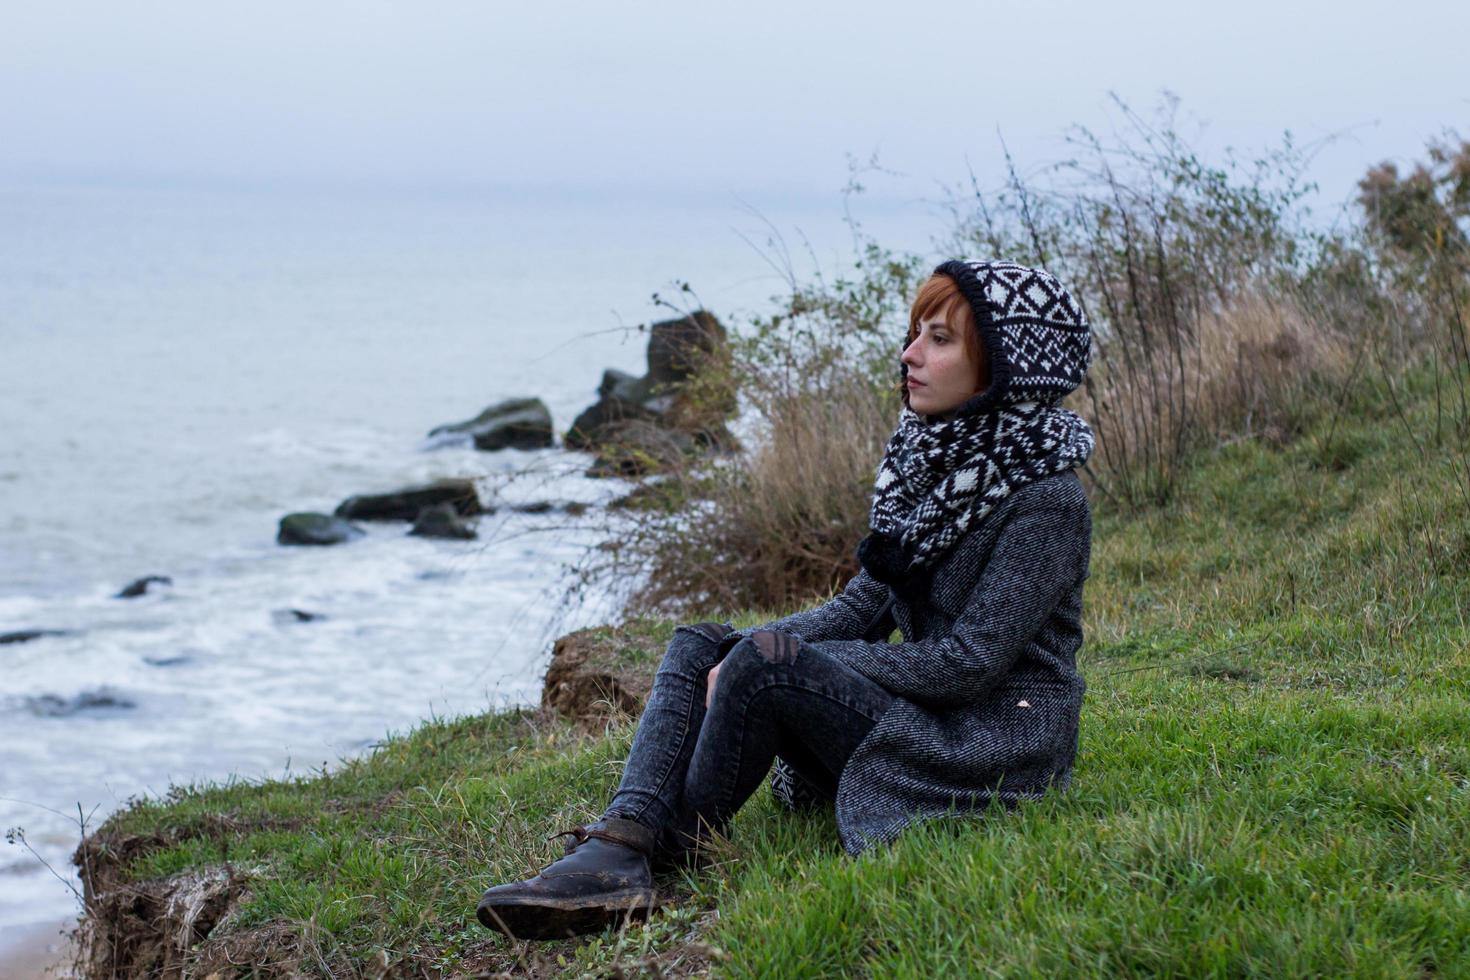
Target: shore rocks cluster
{"points": [[435, 510], [677, 409], [639, 425], [643, 424]]}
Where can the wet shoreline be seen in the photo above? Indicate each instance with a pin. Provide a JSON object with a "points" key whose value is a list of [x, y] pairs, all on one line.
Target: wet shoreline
{"points": [[35, 950]]}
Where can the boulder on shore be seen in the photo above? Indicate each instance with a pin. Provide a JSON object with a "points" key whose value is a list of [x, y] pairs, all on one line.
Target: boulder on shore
{"points": [[516, 423], [405, 504], [307, 528], [441, 521], [621, 398], [629, 387], [678, 349], [682, 354]]}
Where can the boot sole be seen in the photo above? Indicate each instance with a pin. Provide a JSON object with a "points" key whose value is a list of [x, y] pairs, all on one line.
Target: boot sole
{"points": [[551, 918]]}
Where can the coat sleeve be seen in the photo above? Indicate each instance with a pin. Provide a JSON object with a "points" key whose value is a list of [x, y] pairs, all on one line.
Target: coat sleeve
{"points": [[1037, 557], [843, 617]]}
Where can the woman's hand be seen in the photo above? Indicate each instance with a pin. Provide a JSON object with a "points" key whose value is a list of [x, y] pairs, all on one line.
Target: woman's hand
{"points": [[709, 685]]}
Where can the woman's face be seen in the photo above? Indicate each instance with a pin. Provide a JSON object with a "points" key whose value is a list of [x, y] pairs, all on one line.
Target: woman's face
{"points": [[941, 377]]}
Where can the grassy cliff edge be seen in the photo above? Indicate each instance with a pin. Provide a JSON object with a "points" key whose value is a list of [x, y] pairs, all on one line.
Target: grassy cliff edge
{"points": [[1273, 778]]}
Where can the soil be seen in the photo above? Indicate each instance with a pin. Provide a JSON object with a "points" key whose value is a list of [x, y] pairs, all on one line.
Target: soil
{"points": [[163, 928], [594, 679]]}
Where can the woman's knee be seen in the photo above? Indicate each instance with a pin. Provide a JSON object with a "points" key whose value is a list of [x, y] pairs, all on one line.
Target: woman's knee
{"points": [[748, 662], [694, 648], [776, 647]]}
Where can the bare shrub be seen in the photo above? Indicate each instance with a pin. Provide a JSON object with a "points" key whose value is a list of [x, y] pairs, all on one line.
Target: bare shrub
{"points": [[1170, 256], [771, 529], [1254, 367], [1418, 231], [1219, 313], [781, 526]]}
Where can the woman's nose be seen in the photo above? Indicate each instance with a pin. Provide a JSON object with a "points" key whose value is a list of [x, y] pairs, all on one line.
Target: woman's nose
{"points": [[910, 354]]}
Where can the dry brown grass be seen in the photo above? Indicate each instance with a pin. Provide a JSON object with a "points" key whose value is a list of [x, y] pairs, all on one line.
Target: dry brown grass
{"points": [[779, 526], [1257, 368]]}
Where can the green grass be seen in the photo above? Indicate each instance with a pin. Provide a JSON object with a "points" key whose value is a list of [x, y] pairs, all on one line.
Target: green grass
{"points": [[1274, 776]]}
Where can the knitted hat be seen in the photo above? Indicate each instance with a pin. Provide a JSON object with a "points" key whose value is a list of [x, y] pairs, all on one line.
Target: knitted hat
{"points": [[1037, 339]]}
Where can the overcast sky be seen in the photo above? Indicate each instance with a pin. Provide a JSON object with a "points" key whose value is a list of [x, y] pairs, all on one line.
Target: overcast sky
{"points": [[729, 97]]}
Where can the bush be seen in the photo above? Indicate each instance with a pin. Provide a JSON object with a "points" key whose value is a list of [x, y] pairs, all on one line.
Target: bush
{"points": [[780, 526], [1219, 312]]}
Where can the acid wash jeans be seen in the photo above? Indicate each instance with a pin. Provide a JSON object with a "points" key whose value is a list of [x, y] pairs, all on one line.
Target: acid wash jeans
{"points": [[690, 769]]}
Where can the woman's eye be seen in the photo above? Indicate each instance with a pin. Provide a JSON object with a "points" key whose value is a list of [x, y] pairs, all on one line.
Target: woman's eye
{"points": [[940, 338]]}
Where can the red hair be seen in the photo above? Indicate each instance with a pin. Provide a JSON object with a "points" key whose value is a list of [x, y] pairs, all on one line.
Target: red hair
{"points": [[940, 297]]}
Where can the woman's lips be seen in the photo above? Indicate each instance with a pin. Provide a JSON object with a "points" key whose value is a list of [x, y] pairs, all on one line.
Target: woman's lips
{"points": [[915, 384]]}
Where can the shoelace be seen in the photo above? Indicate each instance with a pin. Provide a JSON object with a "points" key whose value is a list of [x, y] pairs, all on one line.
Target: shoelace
{"points": [[582, 834]]}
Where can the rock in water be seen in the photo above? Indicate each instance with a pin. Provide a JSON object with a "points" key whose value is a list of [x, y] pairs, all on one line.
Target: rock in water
{"points": [[140, 586], [516, 423], [25, 636], [316, 529], [686, 391], [441, 521], [55, 706], [405, 504], [286, 617]]}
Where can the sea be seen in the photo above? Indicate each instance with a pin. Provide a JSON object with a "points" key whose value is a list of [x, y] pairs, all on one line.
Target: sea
{"points": [[182, 363]]}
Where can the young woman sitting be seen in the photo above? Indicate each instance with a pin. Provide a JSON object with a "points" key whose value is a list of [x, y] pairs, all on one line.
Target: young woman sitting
{"points": [[980, 541]]}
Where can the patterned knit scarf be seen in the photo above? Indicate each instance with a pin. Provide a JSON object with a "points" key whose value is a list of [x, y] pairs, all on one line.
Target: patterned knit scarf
{"points": [[940, 477]]}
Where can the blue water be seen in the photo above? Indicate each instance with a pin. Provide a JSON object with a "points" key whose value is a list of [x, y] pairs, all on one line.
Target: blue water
{"points": [[181, 366]]}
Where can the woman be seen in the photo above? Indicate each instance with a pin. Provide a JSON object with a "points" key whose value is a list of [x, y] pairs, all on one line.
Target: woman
{"points": [[981, 538]]}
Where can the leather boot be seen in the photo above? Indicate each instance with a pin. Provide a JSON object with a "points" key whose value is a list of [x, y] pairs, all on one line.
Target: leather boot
{"points": [[602, 878]]}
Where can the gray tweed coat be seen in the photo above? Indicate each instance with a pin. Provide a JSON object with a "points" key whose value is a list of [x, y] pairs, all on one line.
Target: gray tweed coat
{"points": [[988, 692]]}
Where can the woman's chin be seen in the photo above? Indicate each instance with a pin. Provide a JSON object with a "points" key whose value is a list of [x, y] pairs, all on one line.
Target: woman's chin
{"points": [[928, 406]]}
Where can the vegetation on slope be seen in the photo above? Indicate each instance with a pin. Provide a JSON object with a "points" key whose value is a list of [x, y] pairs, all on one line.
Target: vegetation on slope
{"points": [[1273, 778]]}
